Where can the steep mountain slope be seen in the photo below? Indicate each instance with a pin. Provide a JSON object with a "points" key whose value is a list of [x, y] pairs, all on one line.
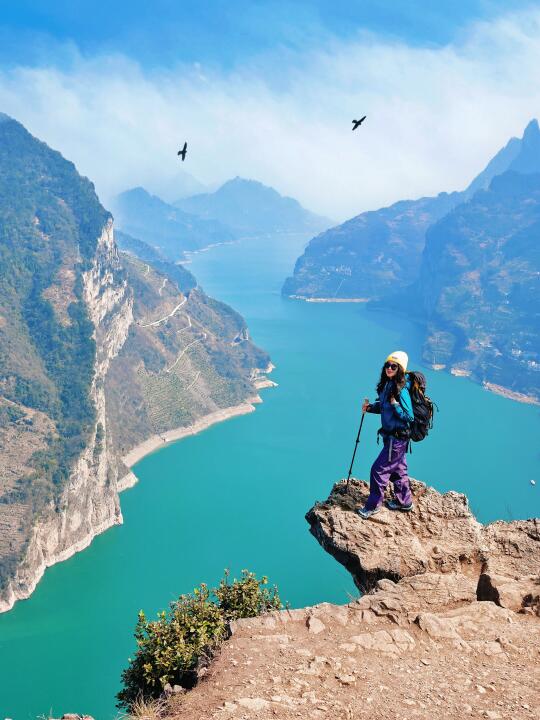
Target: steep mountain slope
{"points": [[140, 249], [365, 256], [379, 252], [480, 286], [498, 164], [528, 158], [186, 357], [169, 229], [81, 383], [251, 208]]}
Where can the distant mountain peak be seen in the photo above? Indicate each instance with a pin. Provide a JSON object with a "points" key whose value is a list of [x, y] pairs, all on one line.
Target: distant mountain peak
{"points": [[5, 118], [249, 207], [528, 159], [519, 154], [238, 180], [241, 184], [532, 129], [138, 190]]}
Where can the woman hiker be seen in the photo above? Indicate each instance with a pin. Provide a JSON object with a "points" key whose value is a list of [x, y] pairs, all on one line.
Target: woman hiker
{"points": [[395, 408]]}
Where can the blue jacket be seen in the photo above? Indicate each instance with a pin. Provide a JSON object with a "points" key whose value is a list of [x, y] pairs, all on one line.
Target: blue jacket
{"points": [[394, 418]]}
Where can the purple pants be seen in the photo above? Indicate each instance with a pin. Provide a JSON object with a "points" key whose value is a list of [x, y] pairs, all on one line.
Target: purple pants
{"points": [[390, 465]]}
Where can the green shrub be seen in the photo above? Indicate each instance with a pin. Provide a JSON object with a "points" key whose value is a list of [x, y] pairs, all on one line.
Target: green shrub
{"points": [[246, 597], [171, 648]]}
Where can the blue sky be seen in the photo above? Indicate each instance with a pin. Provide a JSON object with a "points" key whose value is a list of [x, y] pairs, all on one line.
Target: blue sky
{"points": [[267, 90], [224, 32]]}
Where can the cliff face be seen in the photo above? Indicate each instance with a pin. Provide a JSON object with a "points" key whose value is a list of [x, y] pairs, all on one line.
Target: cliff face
{"points": [[89, 502], [64, 312], [449, 625]]}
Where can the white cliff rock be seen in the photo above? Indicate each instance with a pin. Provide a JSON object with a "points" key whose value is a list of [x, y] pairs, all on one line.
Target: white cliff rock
{"points": [[89, 503]]}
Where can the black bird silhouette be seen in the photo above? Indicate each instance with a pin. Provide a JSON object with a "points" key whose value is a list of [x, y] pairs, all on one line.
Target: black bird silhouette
{"points": [[183, 152], [357, 123]]}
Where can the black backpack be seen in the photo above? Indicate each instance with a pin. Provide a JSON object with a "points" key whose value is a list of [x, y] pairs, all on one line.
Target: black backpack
{"points": [[423, 407]]}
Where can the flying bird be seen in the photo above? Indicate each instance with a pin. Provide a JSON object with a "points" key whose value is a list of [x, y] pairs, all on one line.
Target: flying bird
{"points": [[357, 123], [183, 151]]}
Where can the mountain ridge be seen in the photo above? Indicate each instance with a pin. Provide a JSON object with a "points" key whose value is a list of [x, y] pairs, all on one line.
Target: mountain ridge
{"points": [[366, 252], [166, 227], [249, 206]]}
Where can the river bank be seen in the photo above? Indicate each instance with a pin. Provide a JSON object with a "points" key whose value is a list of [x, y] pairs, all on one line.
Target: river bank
{"points": [[329, 300], [511, 394], [491, 387], [155, 442]]}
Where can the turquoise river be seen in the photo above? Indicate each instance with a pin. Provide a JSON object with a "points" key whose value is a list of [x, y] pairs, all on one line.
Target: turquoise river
{"points": [[235, 496]]}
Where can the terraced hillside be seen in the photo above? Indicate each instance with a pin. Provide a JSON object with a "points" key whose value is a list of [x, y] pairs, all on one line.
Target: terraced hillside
{"points": [[186, 356]]}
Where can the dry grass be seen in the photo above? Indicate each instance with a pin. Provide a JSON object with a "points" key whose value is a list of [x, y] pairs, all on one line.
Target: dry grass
{"points": [[147, 709]]}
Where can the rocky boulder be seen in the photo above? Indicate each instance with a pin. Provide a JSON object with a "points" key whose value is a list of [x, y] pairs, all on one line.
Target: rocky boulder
{"points": [[441, 540]]}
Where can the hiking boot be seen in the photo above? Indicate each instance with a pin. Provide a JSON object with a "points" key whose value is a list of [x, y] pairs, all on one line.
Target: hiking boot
{"points": [[395, 505], [365, 514]]}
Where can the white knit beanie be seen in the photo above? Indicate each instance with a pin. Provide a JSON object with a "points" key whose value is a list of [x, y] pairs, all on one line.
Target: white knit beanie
{"points": [[399, 357]]}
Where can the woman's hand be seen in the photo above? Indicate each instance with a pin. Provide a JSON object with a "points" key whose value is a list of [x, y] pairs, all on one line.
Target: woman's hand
{"points": [[365, 405]]}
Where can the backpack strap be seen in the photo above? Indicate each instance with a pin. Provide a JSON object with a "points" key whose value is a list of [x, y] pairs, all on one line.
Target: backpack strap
{"points": [[408, 386]]}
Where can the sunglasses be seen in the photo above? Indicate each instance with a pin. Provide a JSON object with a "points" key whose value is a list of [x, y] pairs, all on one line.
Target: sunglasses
{"points": [[391, 366]]}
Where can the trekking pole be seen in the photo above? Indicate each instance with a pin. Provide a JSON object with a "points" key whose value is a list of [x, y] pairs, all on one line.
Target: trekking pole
{"points": [[355, 448]]}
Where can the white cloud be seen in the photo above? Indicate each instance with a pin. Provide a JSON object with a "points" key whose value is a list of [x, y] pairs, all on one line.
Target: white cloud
{"points": [[435, 116]]}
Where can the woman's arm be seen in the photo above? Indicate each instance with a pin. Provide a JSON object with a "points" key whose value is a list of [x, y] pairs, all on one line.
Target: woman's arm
{"points": [[403, 406], [374, 407]]}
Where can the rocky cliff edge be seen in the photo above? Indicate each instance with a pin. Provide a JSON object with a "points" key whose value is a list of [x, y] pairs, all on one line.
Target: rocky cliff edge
{"points": [[449, 624]]}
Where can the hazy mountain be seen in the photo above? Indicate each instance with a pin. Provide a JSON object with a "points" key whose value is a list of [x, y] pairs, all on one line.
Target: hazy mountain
{"points": [[365, 256], [528, 158], [378, 252], [249, 207], [164, 226]]}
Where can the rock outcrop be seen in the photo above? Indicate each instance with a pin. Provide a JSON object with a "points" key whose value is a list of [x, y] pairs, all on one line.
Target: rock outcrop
{"points": [[449, 624], [441, 537]]}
